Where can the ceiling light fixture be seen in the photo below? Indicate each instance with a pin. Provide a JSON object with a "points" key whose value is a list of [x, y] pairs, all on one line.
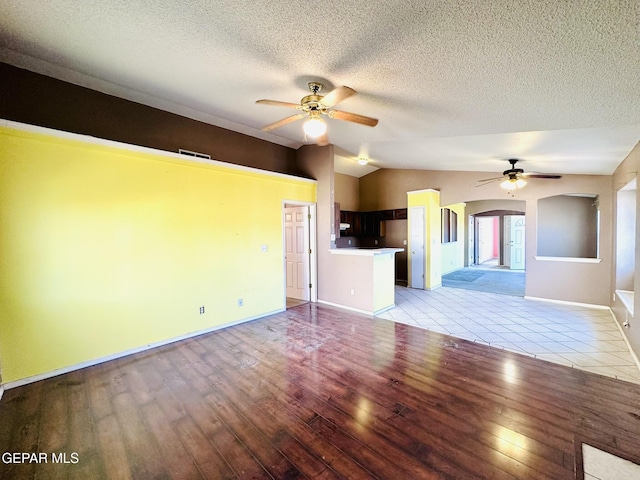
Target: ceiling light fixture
{"points": [[363, 161], [513, 183], [314, 126]]}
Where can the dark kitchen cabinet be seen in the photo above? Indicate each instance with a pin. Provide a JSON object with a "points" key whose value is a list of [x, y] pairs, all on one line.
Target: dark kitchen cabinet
{"points": [[371, 224], [354, 219], [400, 214]]}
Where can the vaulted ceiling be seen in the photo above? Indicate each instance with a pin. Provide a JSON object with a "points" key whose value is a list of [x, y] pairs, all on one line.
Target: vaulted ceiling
{"points": [[456, 85]]}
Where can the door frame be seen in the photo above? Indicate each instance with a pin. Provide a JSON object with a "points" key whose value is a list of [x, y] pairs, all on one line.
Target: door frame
{"points": [[313, 256]]}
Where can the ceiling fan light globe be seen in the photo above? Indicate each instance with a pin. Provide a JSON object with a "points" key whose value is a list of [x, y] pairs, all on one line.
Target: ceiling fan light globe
{"points": [[513, 183], [315, 127]]}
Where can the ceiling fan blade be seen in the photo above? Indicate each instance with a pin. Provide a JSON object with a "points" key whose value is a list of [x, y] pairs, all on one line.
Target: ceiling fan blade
{"points": [[278, 103], [490, 179], [353, 117], [284, 121], [542, 175], [337, 95]]}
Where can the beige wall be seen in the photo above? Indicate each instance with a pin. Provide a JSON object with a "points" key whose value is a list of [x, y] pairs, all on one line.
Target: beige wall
{"points": [[347, 192], [480, 206], [625, 173], [576, 282]]}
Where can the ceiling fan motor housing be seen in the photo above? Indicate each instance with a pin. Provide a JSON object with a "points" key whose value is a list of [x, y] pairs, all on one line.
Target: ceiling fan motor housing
{"points": [[513, 171], [311, 102]]}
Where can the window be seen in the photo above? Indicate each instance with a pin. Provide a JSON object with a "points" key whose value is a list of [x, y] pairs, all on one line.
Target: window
{"points": [[449, 228]]}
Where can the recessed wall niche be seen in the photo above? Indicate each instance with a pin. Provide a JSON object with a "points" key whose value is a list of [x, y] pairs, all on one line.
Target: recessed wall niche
{"points": [[568, 226]]}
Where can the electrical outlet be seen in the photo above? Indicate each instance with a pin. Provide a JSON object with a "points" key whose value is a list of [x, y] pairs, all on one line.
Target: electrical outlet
{"points": [[353, 292], [201, 310], [240, 302]]}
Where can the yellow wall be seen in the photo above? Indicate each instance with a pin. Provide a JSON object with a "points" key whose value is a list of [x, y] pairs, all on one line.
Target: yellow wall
{"points": [[430, 200], [103, 249]]}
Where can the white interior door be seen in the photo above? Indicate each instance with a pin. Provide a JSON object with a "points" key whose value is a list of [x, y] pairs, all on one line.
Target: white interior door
{"points": [[515, 244], [296, 234], [416, 236]]}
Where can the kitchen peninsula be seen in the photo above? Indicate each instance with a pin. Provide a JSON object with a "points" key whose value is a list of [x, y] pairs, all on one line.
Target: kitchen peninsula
{"points": [[365, 279]]}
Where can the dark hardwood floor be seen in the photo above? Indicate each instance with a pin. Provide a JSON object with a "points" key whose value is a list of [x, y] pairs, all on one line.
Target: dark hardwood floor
{"points": [[318, 392]]}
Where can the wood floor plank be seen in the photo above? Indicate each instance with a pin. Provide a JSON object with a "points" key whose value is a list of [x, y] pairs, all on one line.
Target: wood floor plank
{"points": [[203, 428], [180, 464], [113, 449], [144, 456], [297, 443], [283, 406], [399, 438]]}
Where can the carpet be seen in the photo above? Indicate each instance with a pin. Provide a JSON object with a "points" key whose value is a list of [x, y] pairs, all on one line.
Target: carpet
{"points": [[492, 281]]}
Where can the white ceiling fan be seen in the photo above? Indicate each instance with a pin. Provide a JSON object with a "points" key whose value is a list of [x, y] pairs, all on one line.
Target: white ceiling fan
{"points": [[313, 106]]}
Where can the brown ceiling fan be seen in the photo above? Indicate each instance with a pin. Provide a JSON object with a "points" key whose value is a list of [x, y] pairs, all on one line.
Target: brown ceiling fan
{"points": [[514, 178], [313, 106]]}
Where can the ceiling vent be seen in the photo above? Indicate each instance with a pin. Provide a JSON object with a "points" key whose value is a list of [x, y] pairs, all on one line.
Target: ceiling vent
{"points": [[189, 153]]}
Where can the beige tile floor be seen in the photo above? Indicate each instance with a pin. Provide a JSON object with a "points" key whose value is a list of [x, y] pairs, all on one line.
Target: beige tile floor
{"points": [[599, 465], [579, 337]]}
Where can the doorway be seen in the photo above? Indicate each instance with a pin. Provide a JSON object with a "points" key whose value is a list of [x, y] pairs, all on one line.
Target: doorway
{"points": [[300, 266], [487, 241], [497, 240]]}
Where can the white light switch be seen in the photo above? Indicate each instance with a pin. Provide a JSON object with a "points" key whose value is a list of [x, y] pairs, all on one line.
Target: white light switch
{"points": [[264, 247]]}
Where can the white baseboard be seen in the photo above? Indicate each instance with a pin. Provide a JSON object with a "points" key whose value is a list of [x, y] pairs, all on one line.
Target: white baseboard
{"points": [[565, 302], [351, 309], [382, 310], [358, 310], [97, 361]]}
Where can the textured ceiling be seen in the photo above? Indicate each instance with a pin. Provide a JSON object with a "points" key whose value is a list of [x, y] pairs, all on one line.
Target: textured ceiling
{"points": [[457, 85]]}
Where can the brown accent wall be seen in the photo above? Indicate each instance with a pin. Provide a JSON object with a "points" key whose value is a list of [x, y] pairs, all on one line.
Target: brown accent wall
{"points": [[347, 192], [36, 99]]}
